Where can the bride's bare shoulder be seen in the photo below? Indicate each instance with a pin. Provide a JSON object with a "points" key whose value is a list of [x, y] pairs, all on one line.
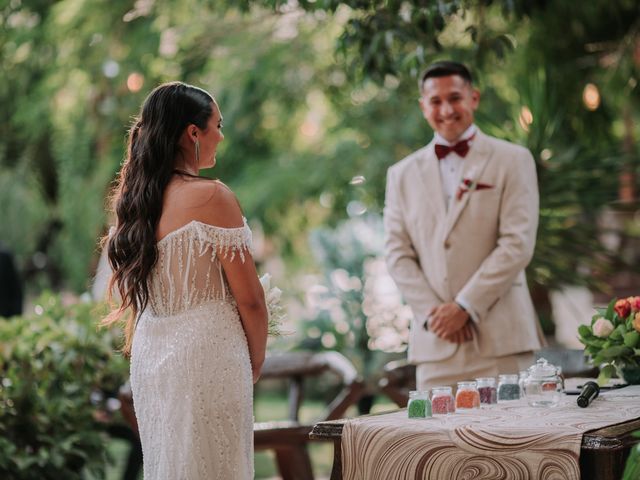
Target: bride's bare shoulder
{"points": [[212, 202]]}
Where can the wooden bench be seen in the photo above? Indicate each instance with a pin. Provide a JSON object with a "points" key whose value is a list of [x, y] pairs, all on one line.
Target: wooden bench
{"points": [[399, 378], [289, 438]]}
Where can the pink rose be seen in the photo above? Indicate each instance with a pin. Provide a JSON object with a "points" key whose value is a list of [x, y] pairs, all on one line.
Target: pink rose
{"points": [[622, 308], [636, 321], [634, 302], [602, 328]]}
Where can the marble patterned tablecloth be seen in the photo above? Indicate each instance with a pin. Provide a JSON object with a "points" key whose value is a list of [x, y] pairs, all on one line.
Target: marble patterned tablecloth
{"points": [[506, 441]]}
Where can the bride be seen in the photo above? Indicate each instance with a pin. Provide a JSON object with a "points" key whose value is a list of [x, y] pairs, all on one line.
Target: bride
{"points": [[194, 311]]}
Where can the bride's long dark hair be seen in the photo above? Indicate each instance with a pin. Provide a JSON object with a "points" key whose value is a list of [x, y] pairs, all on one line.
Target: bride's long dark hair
{"points": [[153, 147]]}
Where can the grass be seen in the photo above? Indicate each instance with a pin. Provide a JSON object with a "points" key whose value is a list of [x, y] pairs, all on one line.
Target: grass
{"points": [[269, 405], [273, 406], [118, 450]]}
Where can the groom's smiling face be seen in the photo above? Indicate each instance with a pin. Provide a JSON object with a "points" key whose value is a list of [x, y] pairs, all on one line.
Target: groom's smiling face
{"points": [[448, 103]]}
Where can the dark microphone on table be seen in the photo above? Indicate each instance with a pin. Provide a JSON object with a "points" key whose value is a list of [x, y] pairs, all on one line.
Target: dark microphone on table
{"points": [[590, 391]]}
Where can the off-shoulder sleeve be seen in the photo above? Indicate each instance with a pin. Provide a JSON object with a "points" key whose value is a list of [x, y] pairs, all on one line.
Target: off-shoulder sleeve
{"points": [[225, 241]]}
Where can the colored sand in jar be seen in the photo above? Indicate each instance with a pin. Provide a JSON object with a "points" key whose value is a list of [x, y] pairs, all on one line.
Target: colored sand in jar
{"points": [[509, 391], [442, 405], [419, 408], [467, 399], [488, 395]]}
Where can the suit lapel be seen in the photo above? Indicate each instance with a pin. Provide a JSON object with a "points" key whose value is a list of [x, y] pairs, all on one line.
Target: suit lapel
{"points": [[430, 175], [473, 167]]}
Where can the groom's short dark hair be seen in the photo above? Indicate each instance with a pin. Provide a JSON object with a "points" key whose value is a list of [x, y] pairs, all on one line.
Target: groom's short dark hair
{"points": [[445, 68]]}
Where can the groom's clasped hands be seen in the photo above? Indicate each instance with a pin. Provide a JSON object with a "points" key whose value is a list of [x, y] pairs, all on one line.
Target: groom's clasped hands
{"points": [[450, 322]]}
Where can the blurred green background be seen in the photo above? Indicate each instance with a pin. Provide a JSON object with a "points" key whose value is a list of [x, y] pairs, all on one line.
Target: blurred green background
{"points": [[319, 98]]}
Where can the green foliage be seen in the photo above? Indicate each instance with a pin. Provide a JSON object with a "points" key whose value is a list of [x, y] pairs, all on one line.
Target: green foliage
{"points": [[382, 37], [339, 310], [518, 61], [51, 363], [612, 346], [23, 208], [67, 104], [632, 467], [312, 95], [573, 182], [337, 316]]}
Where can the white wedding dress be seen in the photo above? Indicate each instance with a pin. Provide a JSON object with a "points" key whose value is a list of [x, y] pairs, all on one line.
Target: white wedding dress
{"points": [[190, 370]]}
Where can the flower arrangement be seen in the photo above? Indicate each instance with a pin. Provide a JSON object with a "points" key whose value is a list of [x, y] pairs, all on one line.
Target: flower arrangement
{"points": [[613, 339], [272, 297]]}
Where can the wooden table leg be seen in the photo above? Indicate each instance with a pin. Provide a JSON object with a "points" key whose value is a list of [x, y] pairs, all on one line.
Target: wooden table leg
{"points": [[294, 463], [336, 471], [603, 465]]}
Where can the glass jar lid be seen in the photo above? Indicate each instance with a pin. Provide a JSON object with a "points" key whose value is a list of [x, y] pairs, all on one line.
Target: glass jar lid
{"points": [[468, 384], [486, 380], [441, 390], [542, 369], [419, 394]]}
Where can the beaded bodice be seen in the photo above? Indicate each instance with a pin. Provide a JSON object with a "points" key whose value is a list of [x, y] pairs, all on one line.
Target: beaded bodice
{"points": [[188, 272]]}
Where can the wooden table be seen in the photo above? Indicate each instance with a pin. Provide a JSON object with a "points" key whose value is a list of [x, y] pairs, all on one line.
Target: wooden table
{"points": [[602, 455]]}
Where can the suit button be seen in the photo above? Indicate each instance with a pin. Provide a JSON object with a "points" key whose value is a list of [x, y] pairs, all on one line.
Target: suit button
{"points": [[447, 245]]}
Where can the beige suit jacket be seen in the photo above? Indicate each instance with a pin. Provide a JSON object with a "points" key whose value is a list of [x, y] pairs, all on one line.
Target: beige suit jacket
{"points": [[478, 247]]}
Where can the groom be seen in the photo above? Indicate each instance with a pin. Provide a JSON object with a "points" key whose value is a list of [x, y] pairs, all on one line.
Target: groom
{"points": [[460, 222]]}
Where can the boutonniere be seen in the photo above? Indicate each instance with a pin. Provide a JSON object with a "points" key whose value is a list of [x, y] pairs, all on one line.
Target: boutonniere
{"points": [[470, 185]]}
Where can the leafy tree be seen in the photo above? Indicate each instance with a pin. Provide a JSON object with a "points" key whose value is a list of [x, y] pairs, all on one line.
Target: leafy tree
{"points": [[77, 73], [534, 57], [314, 96]]}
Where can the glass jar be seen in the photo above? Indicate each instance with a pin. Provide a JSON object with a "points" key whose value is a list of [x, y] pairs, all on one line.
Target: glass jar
{"points": [[508, 388], [487, 390], [467, 396], [419, 405], [521, 376], [442, 401], [561, 375], [543, 385]]}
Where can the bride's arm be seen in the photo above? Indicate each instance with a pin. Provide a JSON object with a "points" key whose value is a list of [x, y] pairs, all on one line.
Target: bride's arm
{"points": [[243, 279], [247, 291]]}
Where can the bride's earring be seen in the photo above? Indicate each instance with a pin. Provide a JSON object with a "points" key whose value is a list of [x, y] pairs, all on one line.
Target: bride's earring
{"points": [[197, 152]]}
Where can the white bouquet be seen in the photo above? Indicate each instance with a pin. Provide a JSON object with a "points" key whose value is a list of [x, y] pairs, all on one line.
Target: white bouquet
{"points": [[275, 310]]}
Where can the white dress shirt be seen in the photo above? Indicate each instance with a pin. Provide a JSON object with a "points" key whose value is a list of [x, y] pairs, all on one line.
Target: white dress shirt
{"points": [[451, 165], [451, 176]]}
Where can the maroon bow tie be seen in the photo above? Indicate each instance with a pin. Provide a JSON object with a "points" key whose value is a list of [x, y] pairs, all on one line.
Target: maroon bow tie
{"points": [[461, 148]]}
